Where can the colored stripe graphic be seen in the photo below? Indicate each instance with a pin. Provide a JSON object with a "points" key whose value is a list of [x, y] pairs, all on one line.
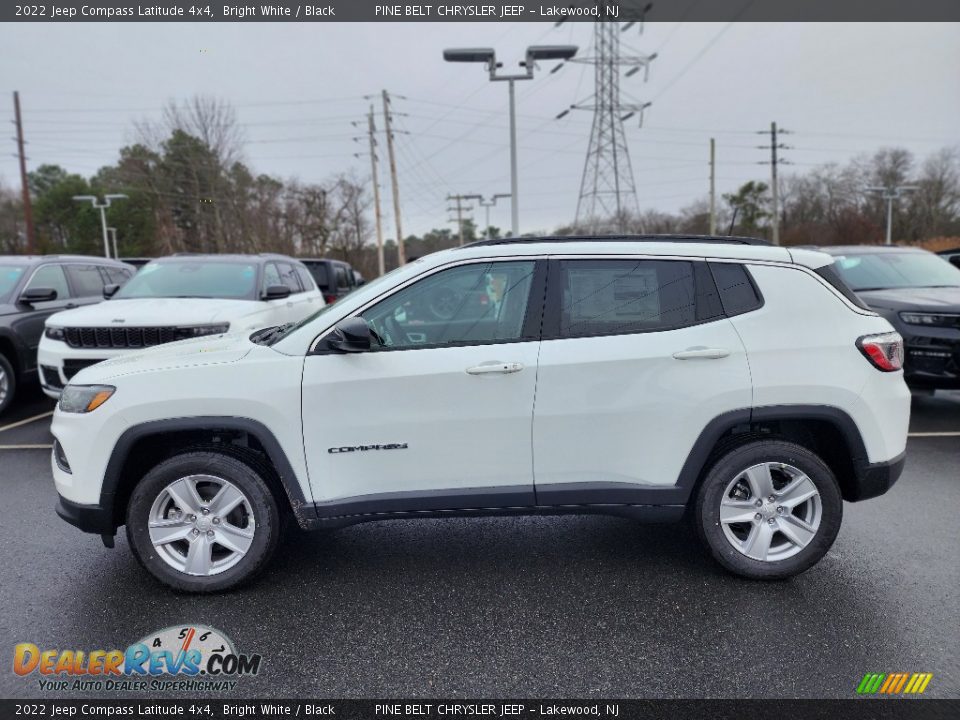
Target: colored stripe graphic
{"points": [[894, 683]]}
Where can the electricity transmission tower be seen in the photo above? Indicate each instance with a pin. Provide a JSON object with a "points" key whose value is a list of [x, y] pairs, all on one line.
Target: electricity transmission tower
{"points": [[607, 188]]}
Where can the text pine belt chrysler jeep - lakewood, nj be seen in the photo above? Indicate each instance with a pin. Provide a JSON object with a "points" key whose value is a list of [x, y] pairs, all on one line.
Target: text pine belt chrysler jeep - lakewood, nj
{"points": [[723, 380]]}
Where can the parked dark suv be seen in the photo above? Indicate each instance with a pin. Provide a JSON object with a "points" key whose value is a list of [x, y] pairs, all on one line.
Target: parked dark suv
{"points": [[31, 289], [919, 293], [335, 278]]}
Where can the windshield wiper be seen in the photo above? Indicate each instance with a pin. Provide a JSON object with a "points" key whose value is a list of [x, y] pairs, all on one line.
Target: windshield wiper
{"points": [[270, 335]]}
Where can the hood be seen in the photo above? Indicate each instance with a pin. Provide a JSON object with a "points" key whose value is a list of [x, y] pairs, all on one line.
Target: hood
{"points": [[214, 350], [940, 299], [149, 312]]}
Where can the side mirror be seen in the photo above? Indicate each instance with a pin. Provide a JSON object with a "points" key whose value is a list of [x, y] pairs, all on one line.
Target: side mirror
{"points": [[351, 336], [38, 295], [110, 290], [276, 292]]}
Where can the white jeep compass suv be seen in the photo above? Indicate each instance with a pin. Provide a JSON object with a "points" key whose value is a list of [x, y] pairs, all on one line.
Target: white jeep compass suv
{"points": [[737, 384], [173, 298]]}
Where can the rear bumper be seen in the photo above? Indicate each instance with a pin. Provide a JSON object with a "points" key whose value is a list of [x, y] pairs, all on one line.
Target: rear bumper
{"points": [[877, 478], [89, 518]]}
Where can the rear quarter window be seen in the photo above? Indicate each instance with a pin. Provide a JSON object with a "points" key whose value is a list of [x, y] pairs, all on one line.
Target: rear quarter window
{"points": [[738, 293]]}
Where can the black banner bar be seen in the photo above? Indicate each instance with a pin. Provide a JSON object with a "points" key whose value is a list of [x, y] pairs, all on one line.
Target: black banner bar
{"points": [[433, 709], [482, 11]]}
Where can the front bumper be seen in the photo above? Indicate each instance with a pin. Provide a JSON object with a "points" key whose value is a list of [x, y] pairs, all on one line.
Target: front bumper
{"points": [[58, 363], [932, 358], [877, 478]]}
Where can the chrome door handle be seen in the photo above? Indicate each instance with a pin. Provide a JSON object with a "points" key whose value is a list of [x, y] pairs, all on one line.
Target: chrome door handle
{"points": [[702, 353], [488, 368]]}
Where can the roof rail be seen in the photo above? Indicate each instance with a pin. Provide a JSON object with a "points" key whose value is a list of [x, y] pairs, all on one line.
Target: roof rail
{"points": [[720, 239]]}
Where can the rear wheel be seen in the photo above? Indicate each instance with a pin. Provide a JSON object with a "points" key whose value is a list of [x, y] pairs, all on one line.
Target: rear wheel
{"points": [[8, 383], [203, 522], [769, 510]]}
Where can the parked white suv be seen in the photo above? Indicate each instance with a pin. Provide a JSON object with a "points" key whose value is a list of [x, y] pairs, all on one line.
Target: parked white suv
{"points": [[739, 384], [174, 298]]}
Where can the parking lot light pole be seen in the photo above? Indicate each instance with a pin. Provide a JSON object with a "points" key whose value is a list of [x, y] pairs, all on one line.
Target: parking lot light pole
{"points": [[489, 57], [890, 194], [102, 207]]}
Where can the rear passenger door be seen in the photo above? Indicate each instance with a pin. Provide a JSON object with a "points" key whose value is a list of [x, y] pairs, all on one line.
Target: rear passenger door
{"points": [[637, 358], [86, 282]]}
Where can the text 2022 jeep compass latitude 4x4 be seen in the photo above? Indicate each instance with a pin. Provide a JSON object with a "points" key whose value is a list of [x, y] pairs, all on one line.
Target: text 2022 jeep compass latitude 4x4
{"points": [[654, 377]]}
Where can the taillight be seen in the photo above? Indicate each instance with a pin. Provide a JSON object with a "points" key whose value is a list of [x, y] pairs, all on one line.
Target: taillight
{"points": [[329, 299], [884, 351]]}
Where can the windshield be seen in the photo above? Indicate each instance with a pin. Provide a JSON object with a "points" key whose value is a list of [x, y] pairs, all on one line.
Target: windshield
{"points": [[896, 270], [9, 277], [194, 279]]}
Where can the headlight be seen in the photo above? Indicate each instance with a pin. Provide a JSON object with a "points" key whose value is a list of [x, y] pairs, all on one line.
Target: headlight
{"points": [[202, 330], [55, 333], [84, 398], [936, 319]]}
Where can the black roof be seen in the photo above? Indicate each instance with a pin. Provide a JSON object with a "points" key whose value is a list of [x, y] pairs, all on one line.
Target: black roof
{"points": [[722, 239]]}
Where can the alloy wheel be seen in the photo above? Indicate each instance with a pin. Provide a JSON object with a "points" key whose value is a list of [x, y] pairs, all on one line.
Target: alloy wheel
{"points": [[201, 525], [770, 511]]}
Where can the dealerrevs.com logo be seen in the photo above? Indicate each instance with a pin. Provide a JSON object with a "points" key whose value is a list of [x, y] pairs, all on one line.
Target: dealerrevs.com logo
{"points": [[182, 658]]}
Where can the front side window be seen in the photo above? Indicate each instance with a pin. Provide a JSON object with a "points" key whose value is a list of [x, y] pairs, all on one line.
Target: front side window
{"points": [[607, 297], [192, 279], [271, 275], [465, 305], [50, 276]]}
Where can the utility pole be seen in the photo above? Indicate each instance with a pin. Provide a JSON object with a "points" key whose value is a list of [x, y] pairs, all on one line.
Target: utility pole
{"points": [[372, 130], [401, 254], [27, 207], [774, 190], [460, 209], [713, 190], [889, 194]]}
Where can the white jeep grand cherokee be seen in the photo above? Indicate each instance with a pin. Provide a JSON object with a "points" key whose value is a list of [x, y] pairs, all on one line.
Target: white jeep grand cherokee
{"points": [[173, 298], [737, 384]]}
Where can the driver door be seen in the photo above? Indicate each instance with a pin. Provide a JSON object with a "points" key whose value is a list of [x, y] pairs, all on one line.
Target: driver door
{"points": [[438, 415]]}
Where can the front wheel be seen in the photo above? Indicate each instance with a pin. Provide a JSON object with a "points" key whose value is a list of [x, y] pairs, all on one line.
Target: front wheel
{"points": [[8, 383], [203, 522], [769, 510]]}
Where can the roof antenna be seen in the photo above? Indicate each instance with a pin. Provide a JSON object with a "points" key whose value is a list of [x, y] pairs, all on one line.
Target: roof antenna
{"points": [[732, 221]]}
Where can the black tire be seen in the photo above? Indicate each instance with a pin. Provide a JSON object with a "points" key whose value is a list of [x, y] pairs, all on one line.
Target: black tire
{"points": [[269, 522], [735, 462], [7, 373]]}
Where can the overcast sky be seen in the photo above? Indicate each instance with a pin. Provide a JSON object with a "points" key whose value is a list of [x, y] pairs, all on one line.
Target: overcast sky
{"points": [[843, 89]]}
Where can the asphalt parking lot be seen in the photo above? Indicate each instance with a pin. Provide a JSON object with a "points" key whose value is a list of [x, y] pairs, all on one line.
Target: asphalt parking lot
{"points": [[506, 607]]}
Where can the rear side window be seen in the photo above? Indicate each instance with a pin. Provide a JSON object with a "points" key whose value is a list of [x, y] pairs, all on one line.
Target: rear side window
{"points": [[288, 276], [607, 297], [737, 291], [86, 280], [830, 274], [306, 279], [115, 276]]}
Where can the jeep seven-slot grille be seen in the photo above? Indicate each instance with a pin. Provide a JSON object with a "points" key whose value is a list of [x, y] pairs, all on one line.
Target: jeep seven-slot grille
{"points": [[126, 337]]}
